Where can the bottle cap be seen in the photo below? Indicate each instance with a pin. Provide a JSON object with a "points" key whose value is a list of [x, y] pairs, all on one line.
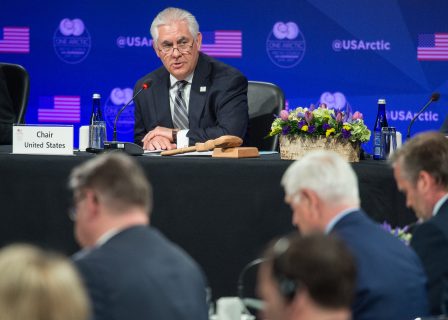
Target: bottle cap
{"points": [[96, 96], [381, 101]]}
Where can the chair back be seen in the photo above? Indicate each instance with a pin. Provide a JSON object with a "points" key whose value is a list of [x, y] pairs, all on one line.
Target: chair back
{"points": [[264, 100], [18, 83]]}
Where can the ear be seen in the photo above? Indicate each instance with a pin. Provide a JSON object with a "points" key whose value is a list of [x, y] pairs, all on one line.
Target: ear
{"points": [[92, 204], [311, 198], [154, 46], [425, 181], [199, 40]]}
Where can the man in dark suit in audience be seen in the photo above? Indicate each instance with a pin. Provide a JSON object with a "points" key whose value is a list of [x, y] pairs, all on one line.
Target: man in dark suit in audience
{"points": [[322, 190], [444, 127], [131, 270], [421, 172], [192, 93], [7, 115], [309, 277]]}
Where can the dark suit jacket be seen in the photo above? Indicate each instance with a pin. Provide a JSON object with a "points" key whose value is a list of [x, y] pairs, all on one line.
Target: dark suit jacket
{"points": [[220, 110], [139, 274], [391, 282], [7, 114], [444, 127], [430, 241]]}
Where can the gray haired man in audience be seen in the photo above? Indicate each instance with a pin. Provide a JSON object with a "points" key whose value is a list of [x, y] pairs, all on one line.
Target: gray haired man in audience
{"points": [[322, 190], [131, 271], [421, 172]]}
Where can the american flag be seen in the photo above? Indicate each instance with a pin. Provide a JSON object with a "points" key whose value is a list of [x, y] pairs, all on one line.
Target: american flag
{"points": [[65, 109], [223, 43], [433, 47], [15, 40]]}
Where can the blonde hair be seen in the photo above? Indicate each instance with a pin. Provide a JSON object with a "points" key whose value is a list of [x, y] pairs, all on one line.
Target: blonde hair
{"points": [[38, 285]]}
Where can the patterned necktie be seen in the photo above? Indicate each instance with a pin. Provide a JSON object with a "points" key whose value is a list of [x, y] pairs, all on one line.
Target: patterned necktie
{"points": [[180, 116]]}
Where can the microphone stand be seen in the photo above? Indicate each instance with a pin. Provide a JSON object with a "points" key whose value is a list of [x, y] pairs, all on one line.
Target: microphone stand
{"points": [[128, 147], [434, 97]]}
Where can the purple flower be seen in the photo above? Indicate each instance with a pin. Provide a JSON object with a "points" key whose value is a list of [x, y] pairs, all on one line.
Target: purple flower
{"points": [[357, 115], [312, 107], [300, 114], [311, 128], [346, 133], [326, 126], [308, 116], [386, 226], [339, 116], [285, 130], [301, 123], [323, 106], [284, 115]]}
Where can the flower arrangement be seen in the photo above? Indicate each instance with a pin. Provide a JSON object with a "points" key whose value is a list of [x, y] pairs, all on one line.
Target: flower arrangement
{"points": [[321, 121], [400, 233]]}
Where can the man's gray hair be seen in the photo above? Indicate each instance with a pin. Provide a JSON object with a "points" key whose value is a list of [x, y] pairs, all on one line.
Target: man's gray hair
{"points": [[327, 174], [118, 181], [170, 15]]}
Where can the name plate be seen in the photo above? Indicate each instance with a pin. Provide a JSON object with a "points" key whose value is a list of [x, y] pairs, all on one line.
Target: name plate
{"points": [[36, 139]]}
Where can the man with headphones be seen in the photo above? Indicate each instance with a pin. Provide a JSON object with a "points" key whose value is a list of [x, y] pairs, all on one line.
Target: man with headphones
{"points": [[307, 278], [322, 190]]}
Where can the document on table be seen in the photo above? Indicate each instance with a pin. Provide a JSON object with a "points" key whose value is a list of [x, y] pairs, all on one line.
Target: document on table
{"points": [[187, 154]]}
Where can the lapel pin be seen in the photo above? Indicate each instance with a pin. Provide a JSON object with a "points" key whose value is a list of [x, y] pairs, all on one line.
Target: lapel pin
{"points": [[202, 89]]}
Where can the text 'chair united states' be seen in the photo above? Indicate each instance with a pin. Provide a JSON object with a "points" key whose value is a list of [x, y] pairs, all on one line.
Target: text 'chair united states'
{"points": [[18, 83], [265, 100]]}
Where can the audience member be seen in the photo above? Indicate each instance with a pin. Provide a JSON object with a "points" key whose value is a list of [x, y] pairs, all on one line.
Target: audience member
{"points": [[444, 128], [308, 278], [322, 190], [192, 92], [421, 172], [7, 115], [131, 270], [38, 285]]}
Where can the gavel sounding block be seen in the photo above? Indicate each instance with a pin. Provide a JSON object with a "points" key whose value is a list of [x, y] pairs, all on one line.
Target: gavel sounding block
{"points": [[236, 153]]}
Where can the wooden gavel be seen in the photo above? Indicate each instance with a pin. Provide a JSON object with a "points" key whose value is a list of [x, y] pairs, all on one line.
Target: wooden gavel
{"points": [[221, 142]]}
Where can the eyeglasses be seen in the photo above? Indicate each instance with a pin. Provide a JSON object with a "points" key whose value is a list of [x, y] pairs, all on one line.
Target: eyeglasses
{"points": [[72, 211], [182, 47]]}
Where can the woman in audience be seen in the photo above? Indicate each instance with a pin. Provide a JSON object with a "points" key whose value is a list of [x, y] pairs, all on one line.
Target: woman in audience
{"points": [[38, 285]]}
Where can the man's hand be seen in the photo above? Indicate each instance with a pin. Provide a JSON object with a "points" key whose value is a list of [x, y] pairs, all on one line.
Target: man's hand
{"points": [[159, 131], [158, 143]]}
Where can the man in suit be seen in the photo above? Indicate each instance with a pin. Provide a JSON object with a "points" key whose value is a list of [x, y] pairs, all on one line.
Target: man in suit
{"points": [[322, 190], [421, 172], [307, 277], [7, 114], [131, 271], [444, 128], [193, 96]]}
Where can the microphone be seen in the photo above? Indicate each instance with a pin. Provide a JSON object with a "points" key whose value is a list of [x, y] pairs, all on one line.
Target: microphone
{"points": [[248, 302], [434, 97], [128, 147]]}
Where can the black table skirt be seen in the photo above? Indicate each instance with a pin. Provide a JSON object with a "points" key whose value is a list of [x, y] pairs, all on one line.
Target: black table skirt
{"points": [[221, 211]]}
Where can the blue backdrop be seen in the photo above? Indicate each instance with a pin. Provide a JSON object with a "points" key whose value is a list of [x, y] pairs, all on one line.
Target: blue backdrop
{"points": [[347, 53]]}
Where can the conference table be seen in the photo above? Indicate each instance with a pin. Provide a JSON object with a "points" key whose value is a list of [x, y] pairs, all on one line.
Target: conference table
{"points": [[221, 211]]}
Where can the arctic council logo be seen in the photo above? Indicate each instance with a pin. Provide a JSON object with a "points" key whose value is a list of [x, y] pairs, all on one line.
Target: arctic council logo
{"points": [[72, 41], [117, 99], [285, 45]]}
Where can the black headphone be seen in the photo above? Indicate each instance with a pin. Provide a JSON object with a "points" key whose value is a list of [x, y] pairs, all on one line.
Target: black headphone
{"points": [[288, 287]]}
